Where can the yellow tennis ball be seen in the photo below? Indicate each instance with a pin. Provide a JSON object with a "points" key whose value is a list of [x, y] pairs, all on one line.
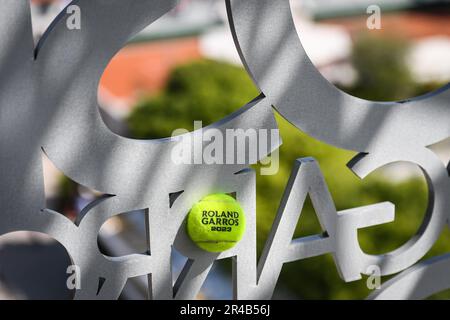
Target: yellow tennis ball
{"points": [[216, 223]]}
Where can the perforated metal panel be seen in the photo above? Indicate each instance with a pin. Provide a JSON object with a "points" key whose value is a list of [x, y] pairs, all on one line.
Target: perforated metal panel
{"points": [[48, 104]]}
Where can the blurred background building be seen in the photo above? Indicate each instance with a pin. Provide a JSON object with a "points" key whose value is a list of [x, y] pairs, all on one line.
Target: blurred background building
{"points": [[33, 266], [199, 28]]}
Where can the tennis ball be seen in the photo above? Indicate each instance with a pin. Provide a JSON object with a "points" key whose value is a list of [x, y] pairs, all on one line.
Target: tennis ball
{"points": [[216, 223]]}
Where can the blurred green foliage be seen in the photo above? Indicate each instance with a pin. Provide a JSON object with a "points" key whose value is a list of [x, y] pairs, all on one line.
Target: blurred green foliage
{"points": [[208, 91], [382, 69], [204, 90]]}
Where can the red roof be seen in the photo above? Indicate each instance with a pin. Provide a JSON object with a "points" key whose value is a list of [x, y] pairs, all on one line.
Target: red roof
{"points": [[143, 68], [410, 24]]}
